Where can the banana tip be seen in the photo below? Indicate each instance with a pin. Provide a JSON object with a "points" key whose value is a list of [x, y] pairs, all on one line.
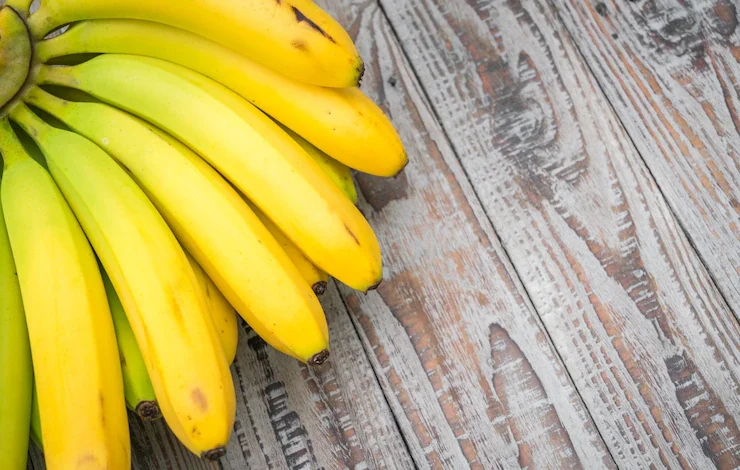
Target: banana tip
{"points": [[214, 454], [319, 358], [373, 287], [319, 288], [148, 410], [360, 72]]}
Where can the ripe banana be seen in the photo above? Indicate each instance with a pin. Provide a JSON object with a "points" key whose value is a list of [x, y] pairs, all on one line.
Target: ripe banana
{"points": [[295, 37], [315, 277], [16, 372], [137, 386], [344, 122], [339, 173], [247, 147], [224, 316], [75, 361], [156, 286], [212, 222], [15, 53]]}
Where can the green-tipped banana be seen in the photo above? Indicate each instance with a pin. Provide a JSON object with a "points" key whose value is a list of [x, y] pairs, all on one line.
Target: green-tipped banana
{"points": [[212, 222], [16, 372], [75, 362], [36, 420], [137, 386], [339, 173], [155, 283], [248, 148]]}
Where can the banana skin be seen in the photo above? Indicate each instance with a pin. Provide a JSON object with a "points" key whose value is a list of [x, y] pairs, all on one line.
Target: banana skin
{"points": [[342, 122], [248, 148], [294, 37]]}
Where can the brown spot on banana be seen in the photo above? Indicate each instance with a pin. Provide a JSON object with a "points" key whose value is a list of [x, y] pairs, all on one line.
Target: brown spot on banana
{"points": [[199, 399], [300, 17], [354, 237], [299, 44]]}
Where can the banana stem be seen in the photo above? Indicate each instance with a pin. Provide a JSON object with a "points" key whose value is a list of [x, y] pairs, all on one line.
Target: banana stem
{"points": [[56, 75], [30, 122], [52, 48], [45, 100], [10, 147]]}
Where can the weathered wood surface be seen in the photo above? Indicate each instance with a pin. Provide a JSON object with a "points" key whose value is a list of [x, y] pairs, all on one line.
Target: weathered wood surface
{"points": [[671, 69], [464, 361], [645, 334]]}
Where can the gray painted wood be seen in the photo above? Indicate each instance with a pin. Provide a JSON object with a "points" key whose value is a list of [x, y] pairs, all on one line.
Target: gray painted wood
{"points": [[465, 363], [671, 70], [645, 334]]}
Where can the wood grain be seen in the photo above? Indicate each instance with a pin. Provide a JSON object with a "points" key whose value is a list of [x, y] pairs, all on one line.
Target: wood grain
{"points": [[464, 361], [647, 337], [671, 70]]}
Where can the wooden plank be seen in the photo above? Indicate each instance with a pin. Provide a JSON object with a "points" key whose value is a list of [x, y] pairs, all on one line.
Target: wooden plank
{"points": [[649, 341], [464, 361], [671, 70]]}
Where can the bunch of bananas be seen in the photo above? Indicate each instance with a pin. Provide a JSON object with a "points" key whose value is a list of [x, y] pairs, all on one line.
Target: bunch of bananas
{"points": [[167, 165]]}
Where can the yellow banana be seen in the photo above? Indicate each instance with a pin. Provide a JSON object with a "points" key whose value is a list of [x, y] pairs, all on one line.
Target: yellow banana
{"points": [[224, 316], [344, 122], [15, 53], [75, 361], [294, 37], [315, 277], [155, 283], [137, 386], [247, 147], [16, 372], [339, 173], [212, 222]]}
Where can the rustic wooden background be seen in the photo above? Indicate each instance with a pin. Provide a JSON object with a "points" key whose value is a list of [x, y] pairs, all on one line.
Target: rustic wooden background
{"points": [[562, 252]]}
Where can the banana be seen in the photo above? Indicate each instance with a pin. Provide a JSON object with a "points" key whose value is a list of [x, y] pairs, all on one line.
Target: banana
{"points": [[224, 316], [16, 372], [294, 37], [339, 173], [15, 53], [137, 387], [344, 122], [315, 277], [247, 147], [156, 286], [36, 420], [80, 391], [212, 222]]}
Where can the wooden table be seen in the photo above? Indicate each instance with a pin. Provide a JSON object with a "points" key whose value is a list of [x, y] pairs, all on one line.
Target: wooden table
{"points": [[562, 280]]}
